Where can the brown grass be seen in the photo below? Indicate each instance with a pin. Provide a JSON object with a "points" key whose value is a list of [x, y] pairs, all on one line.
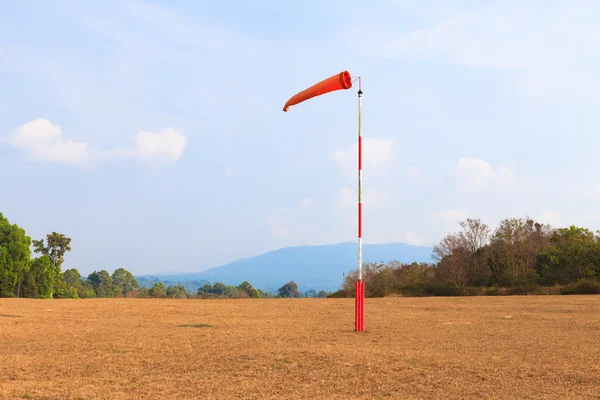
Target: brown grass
{"points": [[444, 348]]}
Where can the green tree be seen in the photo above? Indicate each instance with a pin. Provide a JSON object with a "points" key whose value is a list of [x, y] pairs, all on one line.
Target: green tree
{"points": [[248, 289], [158, 290], [229, 291], [86, 291], [177, 292], [71, 293], [102, 284], [15, 254], [125, 281], [206, 289], [44, 273], [29, 287], [219, 288], [8, 277], [57, 245], [72, 277], [322, 294], [290, 289], [574, 254], [64, 291]]}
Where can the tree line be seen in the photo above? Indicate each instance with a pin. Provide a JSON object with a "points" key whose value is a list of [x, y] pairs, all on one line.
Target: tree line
{"points": [[22, 275], [520, 256], [245, 289]]}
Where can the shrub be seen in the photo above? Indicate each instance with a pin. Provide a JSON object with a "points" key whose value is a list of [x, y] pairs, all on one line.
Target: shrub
{"points": [[492, 291], [474, 291], [427, 289], [240, 294], [523, 290], [582, 287], [340, 294], [549, 290]]}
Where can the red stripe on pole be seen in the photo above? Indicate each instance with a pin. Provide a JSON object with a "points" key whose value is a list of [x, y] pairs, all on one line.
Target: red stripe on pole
{"points": [[356, 307], [362, 306], [359, 306]]}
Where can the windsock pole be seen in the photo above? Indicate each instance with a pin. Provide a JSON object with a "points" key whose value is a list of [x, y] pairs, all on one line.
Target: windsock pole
{"points": [[360, 286], [343, 81]]}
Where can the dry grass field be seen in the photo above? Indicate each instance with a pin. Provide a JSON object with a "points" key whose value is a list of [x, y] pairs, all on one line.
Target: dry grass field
{"points": [[529, 347]]}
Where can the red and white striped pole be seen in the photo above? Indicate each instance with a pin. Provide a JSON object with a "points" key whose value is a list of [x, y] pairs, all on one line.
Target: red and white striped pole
{"points": [[360, 286]]}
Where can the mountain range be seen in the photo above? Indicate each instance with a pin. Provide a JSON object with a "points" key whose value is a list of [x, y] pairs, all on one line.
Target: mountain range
{"points": [[311, 267]]}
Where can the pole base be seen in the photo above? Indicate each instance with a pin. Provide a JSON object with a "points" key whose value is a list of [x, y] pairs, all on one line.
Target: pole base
{"points": [[359, 304]]}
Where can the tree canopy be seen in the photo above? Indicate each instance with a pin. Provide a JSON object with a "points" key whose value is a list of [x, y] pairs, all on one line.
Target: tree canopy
{"points": [[290, 289], [15, 254], [520, 256]]}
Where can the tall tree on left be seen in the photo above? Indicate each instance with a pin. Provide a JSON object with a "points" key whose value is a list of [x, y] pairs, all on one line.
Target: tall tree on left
{"points": [[15, 254], [57, 244]]}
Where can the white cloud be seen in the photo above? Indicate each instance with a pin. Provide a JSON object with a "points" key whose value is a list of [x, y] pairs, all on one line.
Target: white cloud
{"points": [[475, 174], [377, 154], [307, 202], [411, 237], [168, 143], [43, 140], [541, 49], [413, 172], [550, 217], [450, 215]]}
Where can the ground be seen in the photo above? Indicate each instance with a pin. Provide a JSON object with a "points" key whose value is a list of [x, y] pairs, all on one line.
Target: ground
{"points": [[525, 347]]}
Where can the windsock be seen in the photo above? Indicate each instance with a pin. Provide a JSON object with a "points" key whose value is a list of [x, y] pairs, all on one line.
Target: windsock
{"points": [[341, 81]]}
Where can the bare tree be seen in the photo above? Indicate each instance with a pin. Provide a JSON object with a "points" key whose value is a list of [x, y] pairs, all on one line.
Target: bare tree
{"points": [[475, 234], [453, 257]]}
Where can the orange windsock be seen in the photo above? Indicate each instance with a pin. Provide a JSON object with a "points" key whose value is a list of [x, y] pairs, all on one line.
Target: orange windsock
{"points": [[336, 82]]}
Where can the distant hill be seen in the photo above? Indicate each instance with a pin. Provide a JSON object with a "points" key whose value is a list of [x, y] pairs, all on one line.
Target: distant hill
{"points": [[318, 267]]}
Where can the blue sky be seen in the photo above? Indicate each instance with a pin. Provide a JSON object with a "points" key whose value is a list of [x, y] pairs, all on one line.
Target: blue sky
{"points": [[152, 133]]}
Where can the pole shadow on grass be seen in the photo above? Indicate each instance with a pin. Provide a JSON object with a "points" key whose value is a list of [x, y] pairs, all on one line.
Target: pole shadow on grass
{"points": [[194, 326]]}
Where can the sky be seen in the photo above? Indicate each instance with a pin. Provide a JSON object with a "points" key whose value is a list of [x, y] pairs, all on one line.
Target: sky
{"points": [[152, 133]]}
